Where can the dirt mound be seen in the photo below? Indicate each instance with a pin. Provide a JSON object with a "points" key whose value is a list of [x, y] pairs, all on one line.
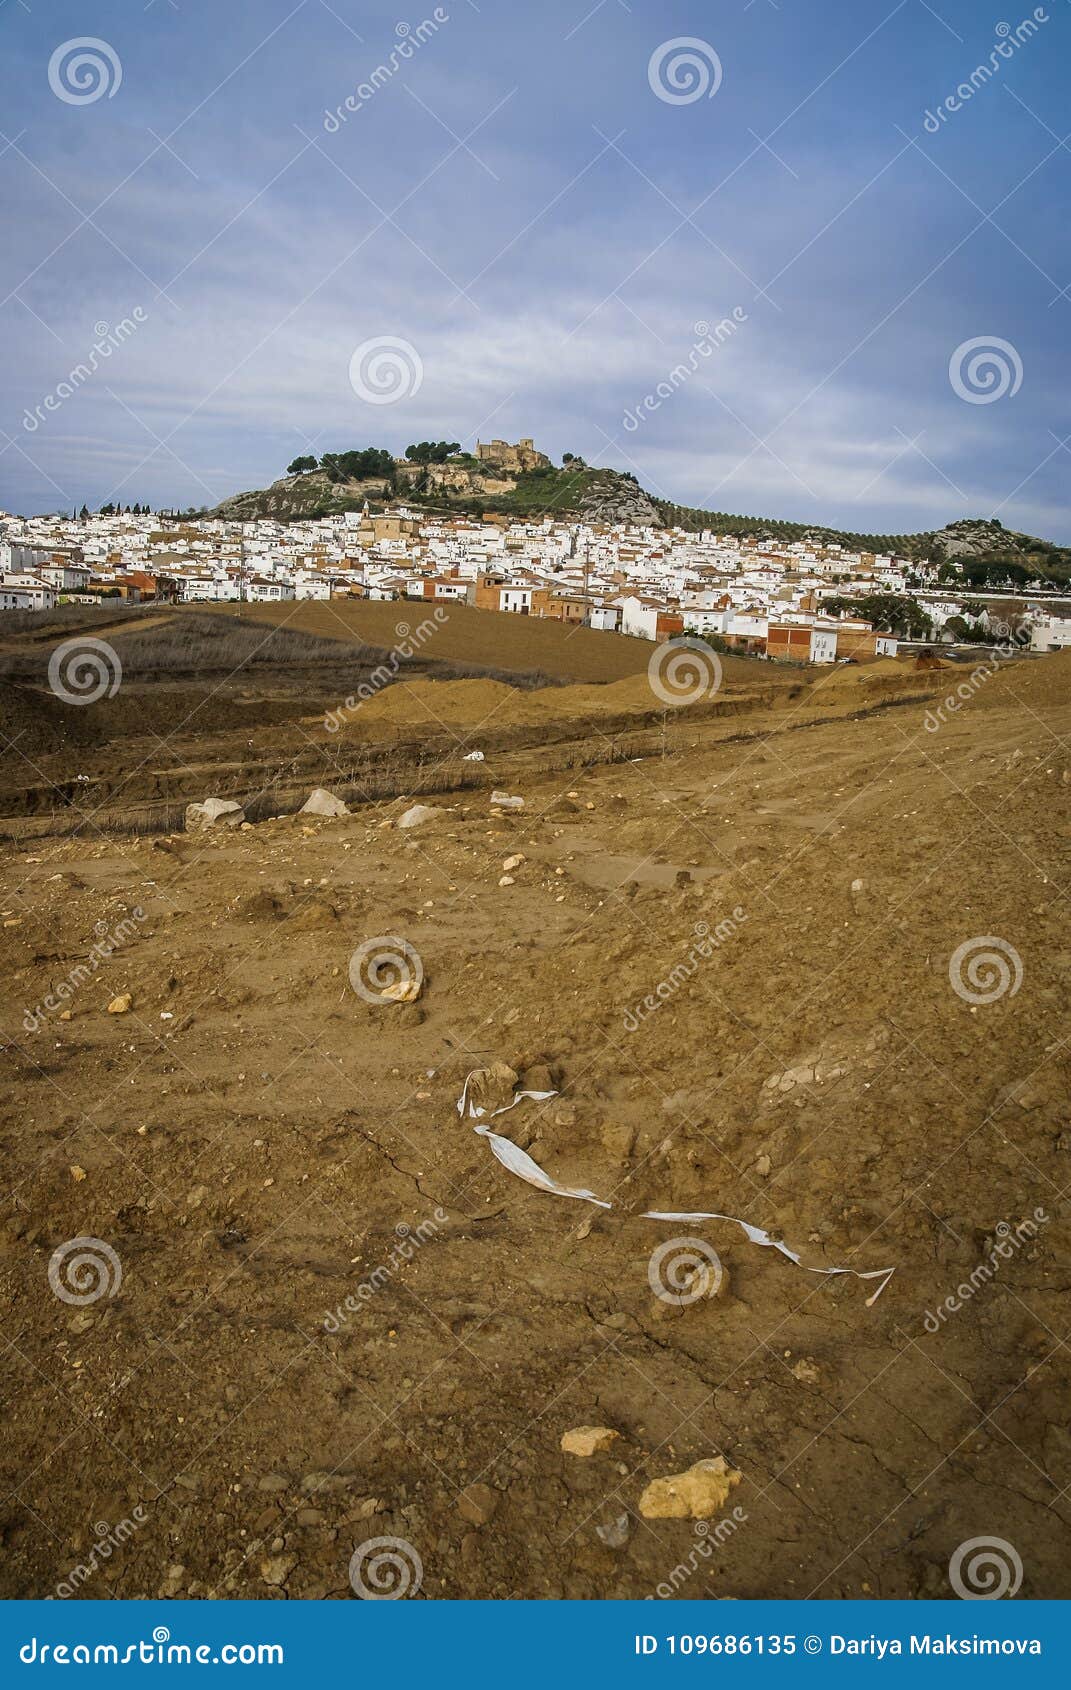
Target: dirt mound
{"points": [[434, 703], [40, 725], [1042, 683], [36, 724], [881, 670], [437, 704]]}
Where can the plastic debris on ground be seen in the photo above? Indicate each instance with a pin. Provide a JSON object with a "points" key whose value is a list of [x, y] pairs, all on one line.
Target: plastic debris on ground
{"points": [[525, 1167]]}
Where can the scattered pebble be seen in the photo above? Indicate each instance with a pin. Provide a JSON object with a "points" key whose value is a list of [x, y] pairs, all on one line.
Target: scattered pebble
{"points": [[588, 1440], [477, 1503]]}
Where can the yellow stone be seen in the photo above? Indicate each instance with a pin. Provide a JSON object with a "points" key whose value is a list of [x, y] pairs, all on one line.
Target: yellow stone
{"points": [[588, 1440], [695, 1495]]}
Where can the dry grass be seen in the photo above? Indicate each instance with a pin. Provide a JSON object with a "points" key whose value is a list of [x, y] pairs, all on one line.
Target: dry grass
{"points": [[196, 644], [191, 644], [69, 618]]}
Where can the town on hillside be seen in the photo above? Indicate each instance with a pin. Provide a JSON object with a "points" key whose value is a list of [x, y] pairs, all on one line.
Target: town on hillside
{"points": [[797, 600]]}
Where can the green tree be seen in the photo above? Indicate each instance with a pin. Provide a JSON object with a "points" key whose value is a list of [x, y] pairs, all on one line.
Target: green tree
{"points": [[373, 462], [893, 613], [431, 451], [300, 465]]}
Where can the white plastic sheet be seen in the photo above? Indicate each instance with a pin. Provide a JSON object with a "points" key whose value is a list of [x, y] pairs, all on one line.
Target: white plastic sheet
{"points": [[511, 1156], [520, 1163], [758, 1236], [525, 1167]]}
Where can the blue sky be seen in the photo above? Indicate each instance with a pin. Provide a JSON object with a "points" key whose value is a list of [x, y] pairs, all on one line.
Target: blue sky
{"points": [[518, 202]]}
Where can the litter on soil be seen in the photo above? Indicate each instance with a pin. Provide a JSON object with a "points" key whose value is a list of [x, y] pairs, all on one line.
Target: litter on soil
{"points": [[525, 1167]]}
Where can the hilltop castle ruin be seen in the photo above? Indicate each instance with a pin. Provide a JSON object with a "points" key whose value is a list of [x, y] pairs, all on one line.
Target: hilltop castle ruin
{"points": [[516, 459]]}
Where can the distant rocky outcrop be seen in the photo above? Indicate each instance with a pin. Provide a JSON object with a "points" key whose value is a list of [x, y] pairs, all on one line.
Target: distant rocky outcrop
{"points": [[974, 536], [310, 494], [596, 495], [609, 497]]}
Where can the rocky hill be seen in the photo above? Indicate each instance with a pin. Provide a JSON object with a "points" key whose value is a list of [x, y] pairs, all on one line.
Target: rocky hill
{"points": [[463, 485], [976, 537], [307, 495], [982, 548], [610, 497]]}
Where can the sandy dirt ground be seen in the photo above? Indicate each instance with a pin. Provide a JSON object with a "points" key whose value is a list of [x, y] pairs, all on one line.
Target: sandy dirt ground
{"points": [[808, 968]]}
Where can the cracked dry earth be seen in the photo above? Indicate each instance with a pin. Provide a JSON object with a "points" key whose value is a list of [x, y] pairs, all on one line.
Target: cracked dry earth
{"points": [[256, 1144]]}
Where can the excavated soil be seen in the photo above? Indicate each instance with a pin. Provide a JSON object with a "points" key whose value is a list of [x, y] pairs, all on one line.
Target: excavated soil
{"points": [[329, 1315], [266, 736]]}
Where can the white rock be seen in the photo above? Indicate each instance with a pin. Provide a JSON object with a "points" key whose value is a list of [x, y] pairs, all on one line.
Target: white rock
{"points": [[615, 1532], [320, 802], [225, 811], [417, 815], [504, 802]]}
